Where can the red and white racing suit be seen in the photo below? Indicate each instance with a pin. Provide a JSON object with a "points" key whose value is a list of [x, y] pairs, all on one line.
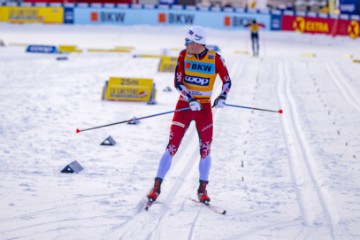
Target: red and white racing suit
{"points": [[195, 76]]}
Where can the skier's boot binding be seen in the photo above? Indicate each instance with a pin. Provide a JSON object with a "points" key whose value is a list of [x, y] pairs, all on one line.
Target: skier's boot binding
{"points": [[202, 193], [155, 191]]}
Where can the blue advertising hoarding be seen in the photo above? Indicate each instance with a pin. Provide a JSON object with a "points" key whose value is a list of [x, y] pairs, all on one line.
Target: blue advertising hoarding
{"points": [[349, 7], [133, 16], [68, 15], [275, 22]]}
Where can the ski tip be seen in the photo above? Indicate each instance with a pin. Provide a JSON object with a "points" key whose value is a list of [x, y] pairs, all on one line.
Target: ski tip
{"points": [[147, 208], [224, 212]]}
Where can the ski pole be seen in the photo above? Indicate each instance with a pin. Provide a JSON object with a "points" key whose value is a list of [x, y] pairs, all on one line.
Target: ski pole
{"points": [[133, 119], [280, 111]]}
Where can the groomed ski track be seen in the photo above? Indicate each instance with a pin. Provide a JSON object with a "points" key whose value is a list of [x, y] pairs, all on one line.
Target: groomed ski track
{"points": [[307, 183], [291, 176], [312, 201]]}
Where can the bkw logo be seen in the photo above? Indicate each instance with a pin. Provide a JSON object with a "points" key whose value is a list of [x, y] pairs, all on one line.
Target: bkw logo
{"points": [[236, 21], [172, 18], [108, 17], [199, 67]]}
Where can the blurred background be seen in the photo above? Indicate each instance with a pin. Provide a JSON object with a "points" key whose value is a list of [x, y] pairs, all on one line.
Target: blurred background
{"points": [[315, 6]]}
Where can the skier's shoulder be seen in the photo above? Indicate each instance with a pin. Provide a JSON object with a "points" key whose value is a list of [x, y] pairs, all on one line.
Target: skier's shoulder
{"points": [[182, 52], [182, 55]]}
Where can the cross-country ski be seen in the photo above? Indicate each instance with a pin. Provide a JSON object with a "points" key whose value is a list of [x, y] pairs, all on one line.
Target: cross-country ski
{"points": [[210, 206]]}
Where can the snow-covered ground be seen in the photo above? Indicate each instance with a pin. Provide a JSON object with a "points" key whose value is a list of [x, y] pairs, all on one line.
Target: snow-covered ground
{"points": [[289, 176]]}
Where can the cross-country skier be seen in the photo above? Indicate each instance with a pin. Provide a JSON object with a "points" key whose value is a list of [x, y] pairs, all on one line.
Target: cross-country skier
{"points": [[195, 74], [254, 30]]}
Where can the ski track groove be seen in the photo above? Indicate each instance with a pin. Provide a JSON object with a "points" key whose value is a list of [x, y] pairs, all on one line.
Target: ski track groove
{"points": [[342, 85], [35, 214], [193, 226], [131, 227], [312, 204]]}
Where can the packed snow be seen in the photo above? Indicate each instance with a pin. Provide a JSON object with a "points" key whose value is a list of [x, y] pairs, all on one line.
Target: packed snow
{"points": [[286, 176]]}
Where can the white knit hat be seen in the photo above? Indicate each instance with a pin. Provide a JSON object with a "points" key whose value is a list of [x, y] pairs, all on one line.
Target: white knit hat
{"points": [[196, 34]]}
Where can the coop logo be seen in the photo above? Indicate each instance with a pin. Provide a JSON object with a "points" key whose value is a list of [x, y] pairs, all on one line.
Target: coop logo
{"points": [[236, 21], [41, 49], [108, 17], [175, 18], [348, 8], [302, 25], [199, 67], [353, 29], [197, 80]]}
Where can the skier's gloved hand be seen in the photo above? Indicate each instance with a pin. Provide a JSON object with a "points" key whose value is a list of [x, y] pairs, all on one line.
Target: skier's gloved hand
{"points": [[195, 105], [219, 102]]}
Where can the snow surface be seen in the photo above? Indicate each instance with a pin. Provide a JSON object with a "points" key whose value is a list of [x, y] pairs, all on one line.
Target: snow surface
{"points": [[290, 176]]}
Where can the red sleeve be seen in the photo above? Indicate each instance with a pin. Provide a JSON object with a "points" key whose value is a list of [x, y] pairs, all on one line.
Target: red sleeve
{"points": [[180, 70], [221, 69], [224, 75], [261, 25]]}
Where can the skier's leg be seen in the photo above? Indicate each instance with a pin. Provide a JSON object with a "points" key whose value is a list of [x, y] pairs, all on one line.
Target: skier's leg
{"points": [[204, 126], [164, 165], [177, 131], [257, 45], [180, 123], [253, 45], [204, 168]]}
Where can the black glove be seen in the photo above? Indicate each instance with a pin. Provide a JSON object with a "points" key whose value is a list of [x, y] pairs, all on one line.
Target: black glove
{"points": [[219, 102]]}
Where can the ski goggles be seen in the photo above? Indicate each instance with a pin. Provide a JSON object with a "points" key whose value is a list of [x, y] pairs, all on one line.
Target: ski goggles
{"points": [[188, 41]]}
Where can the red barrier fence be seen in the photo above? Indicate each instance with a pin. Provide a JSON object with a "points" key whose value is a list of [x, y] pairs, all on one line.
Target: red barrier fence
{"points": [[321, 25]]}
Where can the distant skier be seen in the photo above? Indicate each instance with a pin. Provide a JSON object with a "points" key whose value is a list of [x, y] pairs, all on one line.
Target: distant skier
{"points": [[195, 74], [254, 29]]}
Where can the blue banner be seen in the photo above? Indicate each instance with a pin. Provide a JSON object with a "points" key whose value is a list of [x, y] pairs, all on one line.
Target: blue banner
{"points": [[349, 7], [68, 15], [41, 49], [275, 22], [176, 17]]}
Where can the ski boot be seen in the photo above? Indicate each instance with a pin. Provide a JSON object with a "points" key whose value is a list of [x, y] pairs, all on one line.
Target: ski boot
{"points": [[202, 193], [155, 191]]}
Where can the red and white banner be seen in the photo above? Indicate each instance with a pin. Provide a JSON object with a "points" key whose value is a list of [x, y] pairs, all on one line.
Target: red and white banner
{"points": [[321, 25]]}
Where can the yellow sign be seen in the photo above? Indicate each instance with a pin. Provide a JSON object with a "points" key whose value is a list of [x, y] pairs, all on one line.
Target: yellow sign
{"points": [[129, 89], [32, 14], [114, 50], [167, 64], [241, 52], [69, 49], [309, 54]]}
